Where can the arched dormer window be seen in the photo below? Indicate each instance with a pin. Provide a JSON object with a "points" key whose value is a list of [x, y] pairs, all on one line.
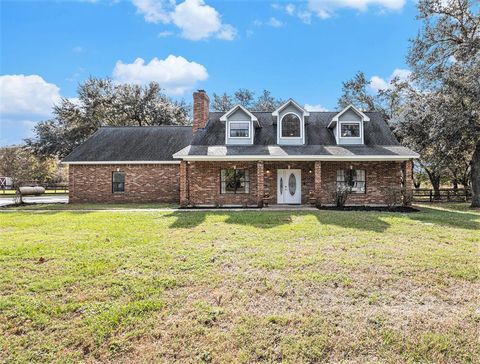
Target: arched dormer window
{"points": [[291, 126]]}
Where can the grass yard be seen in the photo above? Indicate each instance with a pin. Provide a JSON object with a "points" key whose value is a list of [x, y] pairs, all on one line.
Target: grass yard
{"points": [[250, 286]]}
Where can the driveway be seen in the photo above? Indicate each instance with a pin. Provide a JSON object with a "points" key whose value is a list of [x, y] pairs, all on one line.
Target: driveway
{"points": [[5, 201]]}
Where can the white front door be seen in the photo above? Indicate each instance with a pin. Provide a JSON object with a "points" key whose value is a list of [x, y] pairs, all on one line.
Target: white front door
{"points": [[289, 190]]}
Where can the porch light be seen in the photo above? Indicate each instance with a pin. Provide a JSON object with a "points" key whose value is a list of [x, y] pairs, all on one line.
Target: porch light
{"points": [[289, 166], [310, 170], [118, 169], [268, 171]]}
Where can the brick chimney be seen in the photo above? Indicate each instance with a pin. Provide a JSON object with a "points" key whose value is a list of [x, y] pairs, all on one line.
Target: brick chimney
{"points": [[201, 104]]}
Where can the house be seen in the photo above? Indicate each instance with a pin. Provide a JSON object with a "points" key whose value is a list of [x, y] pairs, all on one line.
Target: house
{"points": [[243, 158]]}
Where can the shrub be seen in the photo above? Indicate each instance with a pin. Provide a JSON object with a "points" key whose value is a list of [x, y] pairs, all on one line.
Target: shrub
{"points": [[393, 197], [339, 194]]}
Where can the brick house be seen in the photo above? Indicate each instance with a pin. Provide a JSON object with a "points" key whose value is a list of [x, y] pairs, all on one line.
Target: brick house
{"points": [[244, 158]]}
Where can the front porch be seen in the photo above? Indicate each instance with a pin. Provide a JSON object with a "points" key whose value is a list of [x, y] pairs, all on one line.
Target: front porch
{"points": [[260, 183]]}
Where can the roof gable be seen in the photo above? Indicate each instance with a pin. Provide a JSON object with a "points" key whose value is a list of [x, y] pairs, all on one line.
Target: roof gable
{"points": [[349, 107], [290, 102]]}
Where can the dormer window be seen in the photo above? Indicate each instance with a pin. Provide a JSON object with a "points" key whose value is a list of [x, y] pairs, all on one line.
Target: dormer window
{"points": [[239, 129], [291, 126], [349, 130], [240, 125], [348, 126], [290, 119]]}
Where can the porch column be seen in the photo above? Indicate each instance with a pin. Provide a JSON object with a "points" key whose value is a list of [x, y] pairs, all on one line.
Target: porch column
{"points": [[318, 182], [408, 174], [260, 183], [184, 198]]}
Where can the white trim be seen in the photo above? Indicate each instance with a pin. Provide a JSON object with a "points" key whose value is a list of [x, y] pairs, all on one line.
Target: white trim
{"points": [[359, 112], [339, 132], [302, 127], [301, 158], [290, 101], [249, 122], [123, 162], [225, 116]]}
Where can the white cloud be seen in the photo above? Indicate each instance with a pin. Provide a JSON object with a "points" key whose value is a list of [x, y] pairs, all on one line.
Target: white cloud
{"points": [[298, 11], [325, 8], [27, 95], [227, 32], [274, 22], [77, 49], [271, 22], [153, 10], [378, 83], [290, 9], [194, 18], [164, 34], [175, 74], [316, 107]]}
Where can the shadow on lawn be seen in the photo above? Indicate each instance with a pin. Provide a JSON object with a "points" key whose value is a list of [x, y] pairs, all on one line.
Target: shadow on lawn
{"points": [[269, 219], [455, 219], [361, 220]]}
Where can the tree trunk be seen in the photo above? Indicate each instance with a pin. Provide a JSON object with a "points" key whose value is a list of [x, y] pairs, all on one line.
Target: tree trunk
{"points": [[475, 176], [435, 181], [455, 184]]}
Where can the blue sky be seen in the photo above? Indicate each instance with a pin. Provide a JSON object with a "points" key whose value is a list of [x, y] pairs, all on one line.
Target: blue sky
{"points": [[302, 50]]}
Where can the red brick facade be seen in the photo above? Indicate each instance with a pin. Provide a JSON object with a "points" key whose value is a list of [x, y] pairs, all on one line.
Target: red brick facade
{"points": [[199, 183], [200, 110], [380, 177], [143, 183]]}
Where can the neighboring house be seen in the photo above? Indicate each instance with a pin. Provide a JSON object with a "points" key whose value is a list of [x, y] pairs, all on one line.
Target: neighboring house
{"points": [[243, 158]]}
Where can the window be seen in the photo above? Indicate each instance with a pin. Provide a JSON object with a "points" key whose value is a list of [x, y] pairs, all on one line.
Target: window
{"points": [[239, 129], [353, 178], [118, 182], [350, 130], [290, 126], [234, 181]]}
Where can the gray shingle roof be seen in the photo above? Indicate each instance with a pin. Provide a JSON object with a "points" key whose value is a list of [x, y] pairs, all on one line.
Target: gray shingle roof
{"points": [[297, 151], [159, 143], [376, 130], [320, 140], [130, 143]]}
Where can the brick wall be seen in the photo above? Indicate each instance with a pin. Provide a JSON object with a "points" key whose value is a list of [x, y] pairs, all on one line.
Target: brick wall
{"points": [[143, 183], [204, 184], [161, 183], [380, 176], [201, 104], [307, 176]]}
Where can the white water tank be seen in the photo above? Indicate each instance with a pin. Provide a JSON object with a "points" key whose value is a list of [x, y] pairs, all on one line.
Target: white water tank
{"points": [[32, 190]]}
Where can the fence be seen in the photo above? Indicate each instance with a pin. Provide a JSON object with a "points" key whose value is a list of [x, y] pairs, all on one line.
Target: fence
{"points": [[444, 195], [50, 188]]}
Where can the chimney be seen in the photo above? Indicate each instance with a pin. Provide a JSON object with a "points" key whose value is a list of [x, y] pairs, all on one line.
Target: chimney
{"points": [[200, 110]]}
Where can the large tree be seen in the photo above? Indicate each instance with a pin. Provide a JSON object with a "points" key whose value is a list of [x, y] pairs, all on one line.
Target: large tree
{"points": [[445, 59], [101, 102], [246, 98], [23, 166]]}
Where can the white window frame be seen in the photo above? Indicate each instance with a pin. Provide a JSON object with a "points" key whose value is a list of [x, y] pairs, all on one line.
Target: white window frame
{"points": [[355, 189], [239, 121], [300, 118], [339, 130]]}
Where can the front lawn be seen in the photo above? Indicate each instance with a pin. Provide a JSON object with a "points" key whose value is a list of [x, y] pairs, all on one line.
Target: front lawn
{"points": [[250, 286]]}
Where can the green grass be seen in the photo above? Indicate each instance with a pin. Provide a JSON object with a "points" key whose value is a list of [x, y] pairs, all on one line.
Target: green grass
{"points": [[91, 206], [249, 286]]}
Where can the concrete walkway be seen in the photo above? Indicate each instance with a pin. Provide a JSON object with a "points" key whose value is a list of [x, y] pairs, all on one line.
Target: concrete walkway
{"points": [[5, 201]]}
